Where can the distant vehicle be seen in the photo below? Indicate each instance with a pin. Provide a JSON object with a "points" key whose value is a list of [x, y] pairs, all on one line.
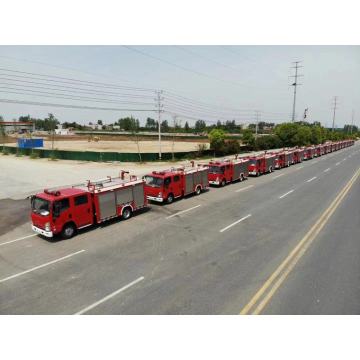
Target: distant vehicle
{"points": [[261, 164], [64, 211], [225, 171], [167, 185]]}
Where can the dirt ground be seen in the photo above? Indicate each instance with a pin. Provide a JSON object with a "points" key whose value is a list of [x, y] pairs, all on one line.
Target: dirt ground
{"points": [[122, 146]]}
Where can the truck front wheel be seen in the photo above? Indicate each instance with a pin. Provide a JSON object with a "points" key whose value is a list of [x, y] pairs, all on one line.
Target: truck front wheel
{"points": [[126, 214], [170, 198], [68, 231]]}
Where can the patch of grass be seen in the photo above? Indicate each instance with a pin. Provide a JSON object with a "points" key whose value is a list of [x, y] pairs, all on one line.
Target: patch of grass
{"points": [[34, 155]]}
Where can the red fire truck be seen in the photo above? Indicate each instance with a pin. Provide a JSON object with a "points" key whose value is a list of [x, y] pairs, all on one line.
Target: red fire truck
{"points": [[166, 185], [64, 211], [298, 155], [261, 164], [284, 158], [309, 153], [225, 171]]}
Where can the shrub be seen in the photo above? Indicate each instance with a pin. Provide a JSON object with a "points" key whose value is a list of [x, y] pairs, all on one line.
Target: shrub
{"points": [[232, 147]]}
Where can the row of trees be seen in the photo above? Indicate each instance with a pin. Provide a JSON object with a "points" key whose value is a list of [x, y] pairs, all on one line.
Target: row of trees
{"points": [[284, 135]]}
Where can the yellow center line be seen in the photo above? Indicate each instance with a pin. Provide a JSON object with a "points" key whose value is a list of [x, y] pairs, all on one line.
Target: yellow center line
{"points": [[262, 297]]}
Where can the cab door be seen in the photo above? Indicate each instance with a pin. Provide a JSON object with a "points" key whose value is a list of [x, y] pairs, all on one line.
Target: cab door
{"points": [[176, 186], [82, 210]]}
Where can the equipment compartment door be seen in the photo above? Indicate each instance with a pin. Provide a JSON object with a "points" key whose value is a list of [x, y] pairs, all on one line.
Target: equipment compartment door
{"points": [[237, 171], [205, 178], [189, 183], [138, 194], [107, 205]]}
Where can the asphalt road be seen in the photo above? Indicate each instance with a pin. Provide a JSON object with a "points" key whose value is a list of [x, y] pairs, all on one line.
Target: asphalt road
{"points": [[211, 258]]}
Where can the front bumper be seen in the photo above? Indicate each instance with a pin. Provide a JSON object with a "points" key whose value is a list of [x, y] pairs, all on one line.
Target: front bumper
{"points": [[154, 198], [214, 182], [48, 234], [252, 173]]}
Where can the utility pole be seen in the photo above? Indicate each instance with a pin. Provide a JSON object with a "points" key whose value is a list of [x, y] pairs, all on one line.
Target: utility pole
{"points": [[257, 116], [173, 142], [352, 122], [159, 107], [333, 122], [295, 84]]}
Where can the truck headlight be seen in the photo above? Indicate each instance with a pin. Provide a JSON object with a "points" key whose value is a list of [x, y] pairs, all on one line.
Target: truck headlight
{"points": [[47, 226], [160, 194]]}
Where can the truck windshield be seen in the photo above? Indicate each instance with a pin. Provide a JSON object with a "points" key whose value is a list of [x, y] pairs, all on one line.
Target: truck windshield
{"points": [[252, 162], [216, 169], [40, 206], [153, 181]]}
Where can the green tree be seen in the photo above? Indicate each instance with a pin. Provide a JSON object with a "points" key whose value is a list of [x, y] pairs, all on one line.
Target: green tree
{"points": [[248, 138], [217, 139], [200, 126], [165, 126], [100, 122], [286, 133], [316, 135], [151, 124], [128, 123], [187, 127], [2, 130], [302, 136]]}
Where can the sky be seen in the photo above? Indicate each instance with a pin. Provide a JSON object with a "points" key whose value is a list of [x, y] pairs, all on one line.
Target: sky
{"points": [[198, 82]]}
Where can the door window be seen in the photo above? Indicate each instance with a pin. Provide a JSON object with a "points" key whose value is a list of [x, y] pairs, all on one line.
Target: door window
{"points": [[167, 181], [176, 178], [81, 200]]}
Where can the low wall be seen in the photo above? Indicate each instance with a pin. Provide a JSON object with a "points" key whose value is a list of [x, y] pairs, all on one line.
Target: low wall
{"points": [[102, 156]]}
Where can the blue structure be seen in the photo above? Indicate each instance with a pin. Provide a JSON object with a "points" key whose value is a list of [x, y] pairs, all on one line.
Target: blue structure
{"points": [[30, 143]]}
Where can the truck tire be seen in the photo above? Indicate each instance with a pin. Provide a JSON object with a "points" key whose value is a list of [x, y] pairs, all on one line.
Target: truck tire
{"points": [[223, 183], [241, 177], [198, 190], [170, 198], [126, 213], [68, 231], [270, 169]]}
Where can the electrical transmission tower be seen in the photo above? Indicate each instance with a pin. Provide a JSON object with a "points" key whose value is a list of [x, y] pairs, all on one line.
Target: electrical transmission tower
{"points": [[295, 84], [334, 108], [257, 117], [159, 107]]}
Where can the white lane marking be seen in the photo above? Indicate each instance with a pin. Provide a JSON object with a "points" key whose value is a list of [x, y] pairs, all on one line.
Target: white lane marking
{"points": [[326, 170], [22, 238], [289, 192], [313, 178], [236, 222], [344, 159], [40, 266], [299, 167], [183, 211], [277, 176], [244, 188], [106, 298], [338, 163]]}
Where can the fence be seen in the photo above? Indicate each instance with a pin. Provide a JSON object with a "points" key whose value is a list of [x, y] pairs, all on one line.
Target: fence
{"points": [[101, 156]]}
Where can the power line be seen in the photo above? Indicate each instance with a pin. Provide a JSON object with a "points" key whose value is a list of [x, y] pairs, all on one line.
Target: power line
{"points": [[67, 97], [295, 84], [35, 103], [70, 88], [83, 82], [180, 66], [205, 57]]}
